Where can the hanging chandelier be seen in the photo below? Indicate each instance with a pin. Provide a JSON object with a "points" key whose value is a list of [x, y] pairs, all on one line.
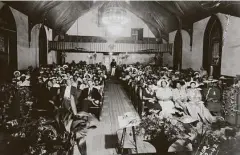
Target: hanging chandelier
{"points": [[114, 15]]}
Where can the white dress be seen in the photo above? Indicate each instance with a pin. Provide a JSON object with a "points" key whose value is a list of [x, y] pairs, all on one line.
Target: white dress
{"points": [[180, 97], [196, 106], [165, 95]]}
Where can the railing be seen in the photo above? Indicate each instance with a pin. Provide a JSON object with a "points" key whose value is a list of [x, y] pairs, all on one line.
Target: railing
{"points": [[95, 39], [108, 47]]}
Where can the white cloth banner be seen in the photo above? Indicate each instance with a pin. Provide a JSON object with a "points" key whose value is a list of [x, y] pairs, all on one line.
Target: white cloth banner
{"points": [[129, 119]]}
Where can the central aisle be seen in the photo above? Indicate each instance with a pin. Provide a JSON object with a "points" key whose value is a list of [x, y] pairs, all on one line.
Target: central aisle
{"points": [[102, 140]]}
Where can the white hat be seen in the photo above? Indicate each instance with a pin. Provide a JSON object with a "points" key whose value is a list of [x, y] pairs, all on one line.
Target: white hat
{"points": [[223, 78], [88, 75], [196, 83], [165, 68], [16, 73], [159, 83], [65, 66], [196, 73], [164, 77], [214, 80]]}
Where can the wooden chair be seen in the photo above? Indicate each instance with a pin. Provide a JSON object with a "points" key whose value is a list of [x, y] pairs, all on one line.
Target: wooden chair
{"points": [[133, 93], [126, 87], [136, 87], [131, 90], [140, 101]]}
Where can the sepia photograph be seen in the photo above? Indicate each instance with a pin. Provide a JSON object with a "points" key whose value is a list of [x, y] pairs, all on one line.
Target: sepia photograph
{"points": [[119, 77]]}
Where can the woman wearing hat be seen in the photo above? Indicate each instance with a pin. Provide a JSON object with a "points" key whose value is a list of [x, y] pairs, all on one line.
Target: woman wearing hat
{"points": [[164, 96], [23, 81], [149, 97], [195, 104], [17, 75]]}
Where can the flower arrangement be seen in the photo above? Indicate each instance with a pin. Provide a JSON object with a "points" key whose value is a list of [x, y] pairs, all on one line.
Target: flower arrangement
{"points": [[229, 107], [10, 94], [224, 140], [42, 135], [199, 138], [154, 123], [7, 92], [25, 99]]}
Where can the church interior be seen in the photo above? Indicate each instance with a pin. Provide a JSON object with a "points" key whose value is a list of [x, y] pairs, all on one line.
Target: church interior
{"points": [[119, 77]]}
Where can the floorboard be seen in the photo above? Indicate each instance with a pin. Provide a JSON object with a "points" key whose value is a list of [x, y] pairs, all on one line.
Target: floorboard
{"points": [[103, 139]]}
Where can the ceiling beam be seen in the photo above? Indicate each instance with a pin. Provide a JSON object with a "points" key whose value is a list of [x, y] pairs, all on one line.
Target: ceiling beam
{"points": [[178, 7]]}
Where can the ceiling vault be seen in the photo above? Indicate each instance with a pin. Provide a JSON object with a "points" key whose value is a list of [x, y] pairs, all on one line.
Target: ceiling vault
{"points": [[161, 17]]}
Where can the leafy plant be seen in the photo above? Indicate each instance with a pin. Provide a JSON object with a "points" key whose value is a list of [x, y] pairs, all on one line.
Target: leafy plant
{"points": [[229, 106], [197, 137]]}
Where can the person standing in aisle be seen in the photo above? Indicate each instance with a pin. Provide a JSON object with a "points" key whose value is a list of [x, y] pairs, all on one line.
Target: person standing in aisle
{"points": [[113, 67]]}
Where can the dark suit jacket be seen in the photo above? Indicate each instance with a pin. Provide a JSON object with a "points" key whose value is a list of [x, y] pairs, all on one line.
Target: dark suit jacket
{"points": [[94, 94]]}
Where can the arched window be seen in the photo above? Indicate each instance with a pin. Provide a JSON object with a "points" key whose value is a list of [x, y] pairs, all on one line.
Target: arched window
{"points": [[43, 51], [8, 43], [177, 56], [212, 47]]}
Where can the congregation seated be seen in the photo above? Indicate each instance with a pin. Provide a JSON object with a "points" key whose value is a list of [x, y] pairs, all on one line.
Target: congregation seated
{"points": [[64, 86], [173, 92]]}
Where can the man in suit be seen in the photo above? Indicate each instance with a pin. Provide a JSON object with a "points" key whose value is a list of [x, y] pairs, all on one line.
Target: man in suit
{"points": [[113, 67], [90, 96], [68, 94]]}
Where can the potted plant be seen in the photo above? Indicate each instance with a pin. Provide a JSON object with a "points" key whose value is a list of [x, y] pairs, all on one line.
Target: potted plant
{"points": [[184, 135], [160, 131]]}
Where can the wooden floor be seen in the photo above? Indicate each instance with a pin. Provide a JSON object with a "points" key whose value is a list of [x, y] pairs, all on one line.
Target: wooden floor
{"points": [[103, 139]]}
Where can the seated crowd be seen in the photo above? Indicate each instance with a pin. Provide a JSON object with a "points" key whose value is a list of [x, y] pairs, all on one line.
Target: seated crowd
{"points": [[179, 93], [73, 87]]}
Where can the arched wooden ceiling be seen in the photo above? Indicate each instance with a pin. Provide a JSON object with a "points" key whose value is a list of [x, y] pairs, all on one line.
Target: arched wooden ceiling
{"points": [[162, 17]]}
